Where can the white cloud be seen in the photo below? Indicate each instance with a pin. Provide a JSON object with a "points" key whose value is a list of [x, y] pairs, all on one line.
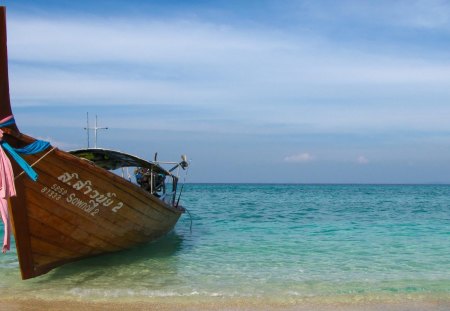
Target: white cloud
{"points": [[362, 160], [132, 41], [299, 158], [259, 58], [258, 76]]}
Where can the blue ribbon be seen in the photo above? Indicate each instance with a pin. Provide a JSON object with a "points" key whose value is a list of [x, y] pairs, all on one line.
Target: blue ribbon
{"points": [[23, 164], [33, 148]]}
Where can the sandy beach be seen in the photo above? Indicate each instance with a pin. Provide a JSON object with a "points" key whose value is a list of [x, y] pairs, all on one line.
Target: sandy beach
{"points": [[218, 303]]}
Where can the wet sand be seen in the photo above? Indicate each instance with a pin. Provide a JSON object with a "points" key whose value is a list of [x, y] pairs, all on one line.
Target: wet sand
{"points": [[191, 304]]}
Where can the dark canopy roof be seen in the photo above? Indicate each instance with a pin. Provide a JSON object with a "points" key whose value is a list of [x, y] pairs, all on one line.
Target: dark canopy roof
{"points": [[111, 160]]}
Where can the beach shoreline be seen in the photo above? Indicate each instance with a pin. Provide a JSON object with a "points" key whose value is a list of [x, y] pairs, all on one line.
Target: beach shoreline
{"points": [[325, 248], [347, 303]]}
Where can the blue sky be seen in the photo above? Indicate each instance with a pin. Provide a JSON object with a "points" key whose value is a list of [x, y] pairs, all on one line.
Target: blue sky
{"points": [[252, 91]]}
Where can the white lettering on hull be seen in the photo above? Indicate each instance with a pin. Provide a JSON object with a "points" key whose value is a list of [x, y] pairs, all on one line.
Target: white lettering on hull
{"points": [[84, 195]]}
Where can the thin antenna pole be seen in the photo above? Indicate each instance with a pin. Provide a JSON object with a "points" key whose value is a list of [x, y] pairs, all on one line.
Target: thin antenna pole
{"points": [[95, 131], [87, 128]]}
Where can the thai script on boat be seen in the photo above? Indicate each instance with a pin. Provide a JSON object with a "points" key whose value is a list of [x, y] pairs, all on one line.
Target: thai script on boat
{"points": [[86, 187]]}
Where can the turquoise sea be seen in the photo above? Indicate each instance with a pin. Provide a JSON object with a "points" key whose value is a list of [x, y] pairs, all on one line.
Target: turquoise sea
{"points": [[280, 242]]}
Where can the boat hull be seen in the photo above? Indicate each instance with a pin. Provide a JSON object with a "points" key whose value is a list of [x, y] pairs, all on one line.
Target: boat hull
{"points": [[76, 210]]}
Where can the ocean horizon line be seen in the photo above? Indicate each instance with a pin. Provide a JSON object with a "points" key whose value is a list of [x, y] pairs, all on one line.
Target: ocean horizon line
{"points": [[324, 184]]}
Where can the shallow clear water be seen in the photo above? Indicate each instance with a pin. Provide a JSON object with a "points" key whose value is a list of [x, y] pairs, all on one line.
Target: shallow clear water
{"points": [[279, 241]]}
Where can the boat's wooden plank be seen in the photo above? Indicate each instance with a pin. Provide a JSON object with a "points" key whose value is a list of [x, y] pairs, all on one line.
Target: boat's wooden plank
{"points": [[86, 235], [58, 237], [44, 247], [114, 234], [42, 260], [82, 226], [22, 236]]}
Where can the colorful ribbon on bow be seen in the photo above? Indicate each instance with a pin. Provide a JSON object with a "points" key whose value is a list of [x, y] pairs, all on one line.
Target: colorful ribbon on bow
{"points": [[7, 187]]}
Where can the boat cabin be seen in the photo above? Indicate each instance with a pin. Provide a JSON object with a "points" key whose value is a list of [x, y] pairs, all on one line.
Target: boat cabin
{"points": [[150, 176]]}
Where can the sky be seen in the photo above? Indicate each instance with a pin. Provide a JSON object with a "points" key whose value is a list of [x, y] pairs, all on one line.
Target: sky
{"points": [[252, 91]]}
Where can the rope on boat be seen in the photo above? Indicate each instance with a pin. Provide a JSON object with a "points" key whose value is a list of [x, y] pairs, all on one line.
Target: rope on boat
{"points": [[190, 218], [36, 162], [179, 196], [182, 186]]}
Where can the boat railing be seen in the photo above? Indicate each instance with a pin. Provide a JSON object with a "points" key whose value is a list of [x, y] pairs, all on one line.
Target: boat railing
{"points": [[157, 179], [168, 197]]}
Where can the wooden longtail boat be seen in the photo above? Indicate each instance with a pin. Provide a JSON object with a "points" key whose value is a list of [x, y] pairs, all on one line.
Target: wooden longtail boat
{"points": [[77, 208]]}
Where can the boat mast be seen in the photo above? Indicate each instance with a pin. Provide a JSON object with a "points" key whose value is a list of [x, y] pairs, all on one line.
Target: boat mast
{"points": [[95, 131], [5, 103]]}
